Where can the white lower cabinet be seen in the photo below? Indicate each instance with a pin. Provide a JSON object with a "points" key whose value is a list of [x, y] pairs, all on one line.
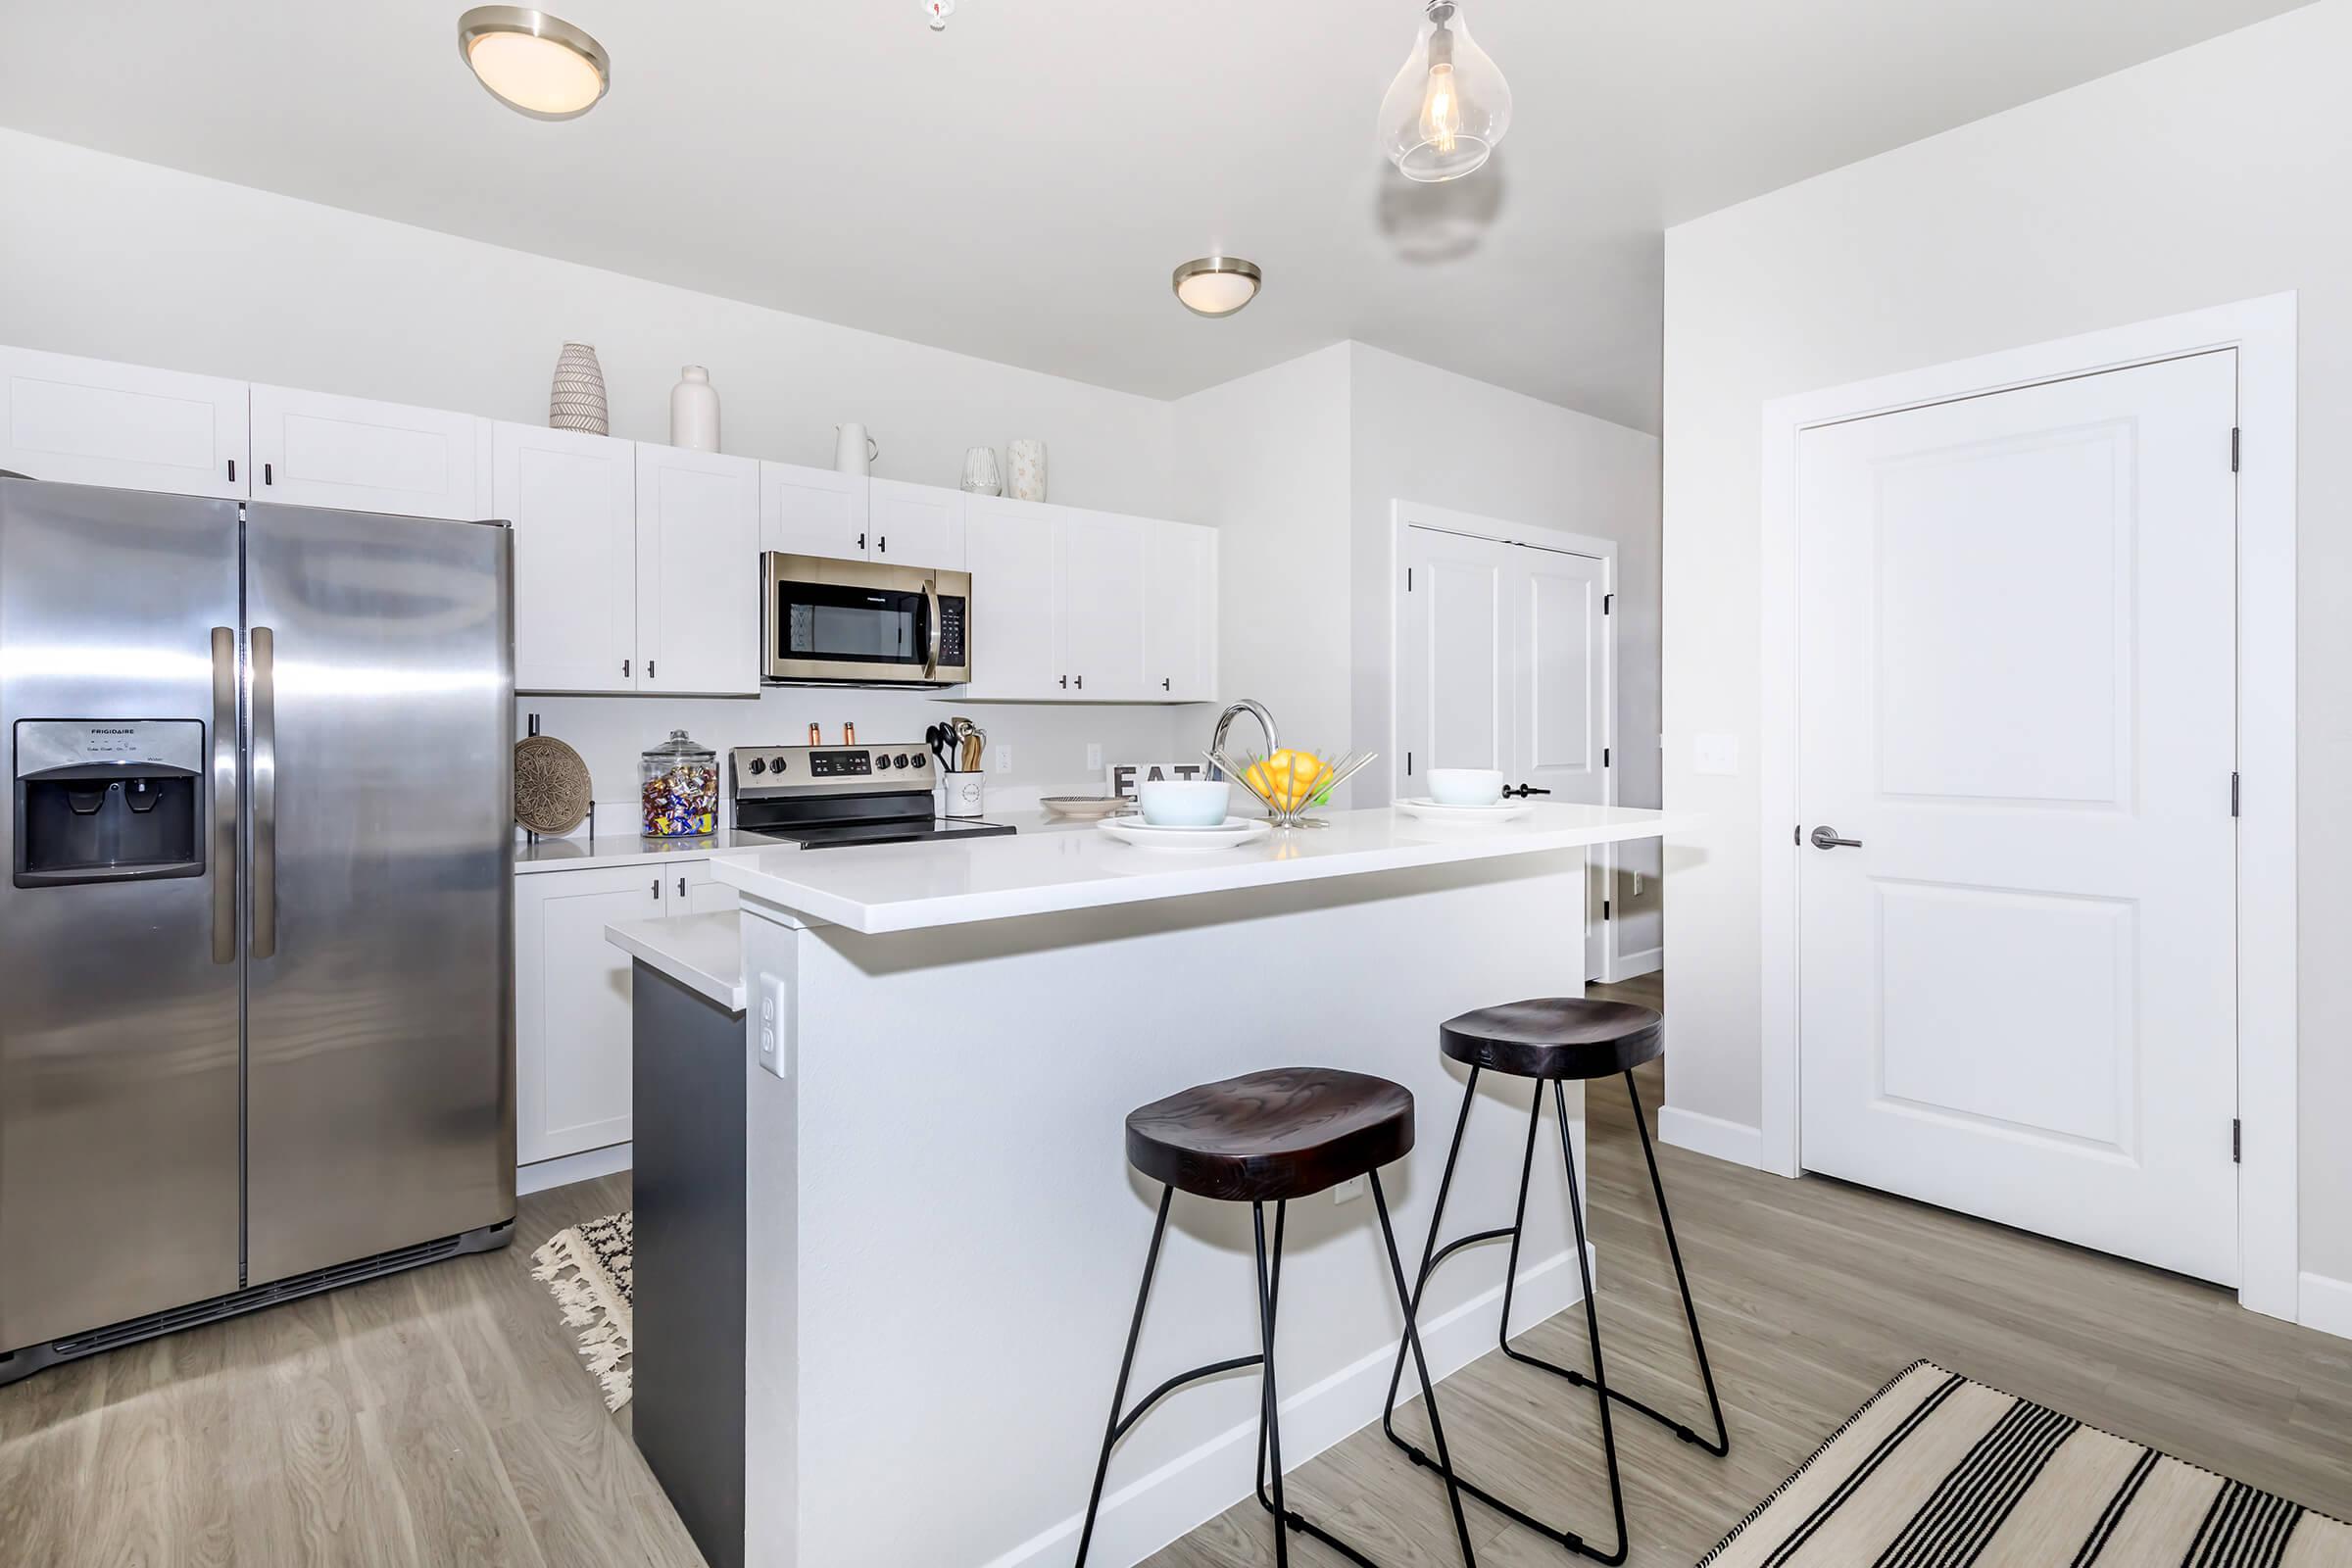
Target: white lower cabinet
{"points": [[72, 420], [314, 449]]}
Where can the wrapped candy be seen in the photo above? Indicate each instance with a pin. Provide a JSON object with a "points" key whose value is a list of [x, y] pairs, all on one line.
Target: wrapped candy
{"points": [[677, 784]]}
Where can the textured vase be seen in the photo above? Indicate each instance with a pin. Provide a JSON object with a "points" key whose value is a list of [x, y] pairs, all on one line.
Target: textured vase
{"points": [[1027, 459], [694, 411], [576, 401], [981, 476]]}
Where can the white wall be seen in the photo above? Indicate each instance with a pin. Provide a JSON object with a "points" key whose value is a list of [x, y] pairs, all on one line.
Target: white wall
{"points": [[105, 256], [2209, 175]]}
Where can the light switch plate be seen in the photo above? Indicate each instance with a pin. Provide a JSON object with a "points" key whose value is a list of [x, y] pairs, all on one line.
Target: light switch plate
{"points": [[1715, 754], [1093, 758]]}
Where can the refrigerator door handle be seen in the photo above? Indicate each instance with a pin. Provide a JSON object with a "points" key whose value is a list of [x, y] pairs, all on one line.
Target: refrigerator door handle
{"points": [[264, 792], [225, 794]]}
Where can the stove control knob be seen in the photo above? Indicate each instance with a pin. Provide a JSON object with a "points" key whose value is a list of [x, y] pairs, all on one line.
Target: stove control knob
{"points": [[920, 762], [776, 762], [904, 761], [881, 759], [759, 766]]}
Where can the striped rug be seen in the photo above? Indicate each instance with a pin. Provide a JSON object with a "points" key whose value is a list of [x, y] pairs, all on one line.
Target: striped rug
{"points": [[1939, 1472]]}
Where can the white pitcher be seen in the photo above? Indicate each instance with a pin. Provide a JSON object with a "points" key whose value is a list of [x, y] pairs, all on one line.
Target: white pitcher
{"points": [[853, 451]]}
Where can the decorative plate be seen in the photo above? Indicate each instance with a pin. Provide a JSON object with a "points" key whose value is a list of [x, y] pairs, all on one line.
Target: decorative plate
{"points": [[1235, 831], [1087, 807], [550, 785], [1431, 810]]}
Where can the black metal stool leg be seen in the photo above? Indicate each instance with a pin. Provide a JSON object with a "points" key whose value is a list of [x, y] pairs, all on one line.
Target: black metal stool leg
{"points": [[1429, 1393], [1722, 1445], [1429, 1255], [1600, 1377], [1118, 1395], [1270, 1409]]}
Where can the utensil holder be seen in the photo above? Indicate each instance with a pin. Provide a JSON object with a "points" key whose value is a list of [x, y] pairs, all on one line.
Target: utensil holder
{"points": [[965, 796]]}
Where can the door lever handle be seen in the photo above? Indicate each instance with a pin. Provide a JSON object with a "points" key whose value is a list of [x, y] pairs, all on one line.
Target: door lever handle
{"points": [[1825, 838], [1524, 791]]}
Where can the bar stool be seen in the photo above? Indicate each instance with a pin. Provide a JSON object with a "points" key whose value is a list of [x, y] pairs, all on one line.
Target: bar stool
{"points": [[1552, 1040], [1268, 1138]]}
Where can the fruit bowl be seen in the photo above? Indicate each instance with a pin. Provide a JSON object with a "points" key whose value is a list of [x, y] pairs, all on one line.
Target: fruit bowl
{"points": [[1291, 783]]}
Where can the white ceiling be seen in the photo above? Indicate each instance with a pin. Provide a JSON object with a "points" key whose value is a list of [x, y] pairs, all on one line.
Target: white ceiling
{"points": [[1019, 186]]}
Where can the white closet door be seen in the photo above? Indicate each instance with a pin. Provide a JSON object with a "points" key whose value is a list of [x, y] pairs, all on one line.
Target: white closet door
{"points": [[2019, 694], [90, 422], [571, 500]]}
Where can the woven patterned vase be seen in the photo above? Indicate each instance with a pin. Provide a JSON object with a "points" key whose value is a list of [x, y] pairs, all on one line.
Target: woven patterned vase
{"points": [[1028, 463], [576, 401]]}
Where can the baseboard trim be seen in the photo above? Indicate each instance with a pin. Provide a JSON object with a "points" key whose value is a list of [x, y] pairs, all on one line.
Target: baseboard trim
{"points": [[2325, 1305], [1194, 1487], [1712, 1136], [566, 1169], [1628, 965]]}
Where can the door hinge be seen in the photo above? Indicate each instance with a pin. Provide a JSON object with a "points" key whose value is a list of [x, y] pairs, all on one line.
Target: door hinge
{"points": [[2237, 446], [1608, 603], [1409, 579], [1606, 753], [2233, 794], [2237, 1141], [1408, 764], [1605, 909]]}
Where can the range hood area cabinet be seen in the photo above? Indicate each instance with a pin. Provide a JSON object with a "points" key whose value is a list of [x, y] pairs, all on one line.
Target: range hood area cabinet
{"points": [[636, 565], [1071, 605], [846, 517]]}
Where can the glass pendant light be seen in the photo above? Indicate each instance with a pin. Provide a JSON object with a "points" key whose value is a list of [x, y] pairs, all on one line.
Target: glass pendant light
{"points": [[1449, 106]]}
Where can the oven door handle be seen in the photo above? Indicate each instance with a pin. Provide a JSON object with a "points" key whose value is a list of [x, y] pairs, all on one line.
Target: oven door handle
{"points": [[930, 629]]}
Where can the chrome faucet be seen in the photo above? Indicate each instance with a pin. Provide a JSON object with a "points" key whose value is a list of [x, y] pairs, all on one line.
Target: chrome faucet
{"points": [[1255, 710]]}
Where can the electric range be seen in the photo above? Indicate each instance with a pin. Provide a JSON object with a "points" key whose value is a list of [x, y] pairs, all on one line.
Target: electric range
{"points": [[832, 796]]}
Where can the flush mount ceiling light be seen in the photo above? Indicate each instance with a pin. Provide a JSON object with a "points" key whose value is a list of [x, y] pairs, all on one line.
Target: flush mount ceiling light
{"points": [[1449, 106], [534, 63], [1218, 285]]}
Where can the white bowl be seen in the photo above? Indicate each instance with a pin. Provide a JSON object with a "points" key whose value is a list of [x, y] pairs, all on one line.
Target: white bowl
{"points": [[1183, 802], [1465, 786]]}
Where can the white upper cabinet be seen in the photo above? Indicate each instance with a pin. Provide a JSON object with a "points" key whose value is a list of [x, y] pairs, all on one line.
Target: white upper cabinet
{"points": [[916, 525], [698, 571], [571, 499], [1099, 583], [1180, 612], [314, 449], [1015, 630], [88, 421], [812, 512]]}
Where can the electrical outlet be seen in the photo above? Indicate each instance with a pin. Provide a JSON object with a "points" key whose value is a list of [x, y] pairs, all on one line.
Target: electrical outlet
{"points": [[1715, 754], [1093, 758], [771, 1023], [1004, 758], [1348, 1190]]}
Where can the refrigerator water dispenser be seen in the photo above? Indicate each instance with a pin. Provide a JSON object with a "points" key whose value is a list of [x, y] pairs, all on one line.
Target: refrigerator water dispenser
{"points": [[108, 800]]}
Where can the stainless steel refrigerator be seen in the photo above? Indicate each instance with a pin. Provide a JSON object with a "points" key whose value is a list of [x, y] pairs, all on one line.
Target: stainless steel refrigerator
{"points": [[256, 1032]]}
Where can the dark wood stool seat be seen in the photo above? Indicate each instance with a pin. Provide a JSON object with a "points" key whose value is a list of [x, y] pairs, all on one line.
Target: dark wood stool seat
{"points": [[1556, 1037], [1268, 1137]]}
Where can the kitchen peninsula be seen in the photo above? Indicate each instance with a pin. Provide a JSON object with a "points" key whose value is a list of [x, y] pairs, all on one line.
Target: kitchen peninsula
{"points": [[939, 1231]]}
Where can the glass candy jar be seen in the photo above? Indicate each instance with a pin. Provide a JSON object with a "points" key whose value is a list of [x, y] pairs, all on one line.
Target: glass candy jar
{"points": [[677, 781]]}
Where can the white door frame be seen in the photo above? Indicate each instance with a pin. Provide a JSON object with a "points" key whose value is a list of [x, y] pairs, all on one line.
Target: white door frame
{"points": [[2263, 331], [1405, 516]]}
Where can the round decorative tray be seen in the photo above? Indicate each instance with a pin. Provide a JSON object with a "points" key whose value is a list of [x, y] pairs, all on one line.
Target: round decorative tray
{"points": [[552, 791]]}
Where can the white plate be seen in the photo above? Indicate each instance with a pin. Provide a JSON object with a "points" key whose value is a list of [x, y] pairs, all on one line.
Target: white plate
{"points": [[1236, 830], [1499, 811]]}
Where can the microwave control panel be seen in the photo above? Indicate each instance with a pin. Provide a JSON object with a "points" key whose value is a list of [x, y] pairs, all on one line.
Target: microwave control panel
{"points": [[950, 632]]}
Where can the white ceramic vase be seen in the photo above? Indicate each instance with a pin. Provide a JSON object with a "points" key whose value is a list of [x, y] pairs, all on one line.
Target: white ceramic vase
{"points": [[1027, 459], [694, 411], [576, 399], [981, 476]]}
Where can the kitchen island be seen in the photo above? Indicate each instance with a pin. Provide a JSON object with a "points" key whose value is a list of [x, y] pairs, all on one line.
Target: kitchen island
{"points": [[939, 1230]]}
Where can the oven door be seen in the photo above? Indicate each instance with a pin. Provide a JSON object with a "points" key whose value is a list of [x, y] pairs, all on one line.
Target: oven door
{"points": [[857, 621]]}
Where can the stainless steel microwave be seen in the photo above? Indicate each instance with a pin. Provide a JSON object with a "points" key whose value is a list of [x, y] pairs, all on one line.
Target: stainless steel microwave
{"points": [[865, 622]]}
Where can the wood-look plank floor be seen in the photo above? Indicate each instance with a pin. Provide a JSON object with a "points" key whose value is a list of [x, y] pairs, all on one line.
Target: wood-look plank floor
{"points": [[442, 1417]]}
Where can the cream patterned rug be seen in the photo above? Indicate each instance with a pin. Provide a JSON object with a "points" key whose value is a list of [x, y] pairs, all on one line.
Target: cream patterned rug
{"points": [[586, 1268], [1937, 1470]]}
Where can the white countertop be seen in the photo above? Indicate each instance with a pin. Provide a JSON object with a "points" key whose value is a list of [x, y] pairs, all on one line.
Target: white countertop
{"points": [[913, 886], [703, 952], [624, 849]]}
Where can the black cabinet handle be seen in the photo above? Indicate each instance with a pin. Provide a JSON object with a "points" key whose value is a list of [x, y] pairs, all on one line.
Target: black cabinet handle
{"points": [[624, 669], [681, 887], [657, 889], [267, 477], [1082, 683], [1164, 686], [882, 543], [649, 670], [232, 471], [861, 544]]}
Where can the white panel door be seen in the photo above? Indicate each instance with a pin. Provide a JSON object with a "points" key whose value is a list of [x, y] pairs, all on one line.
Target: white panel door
{"points": [[89, 422], [2018, 989], [915, 525], [1016, 622], [1099, 575], [698, 571], [314, 449], [812, 512], [1180, 617], [1560, 713], [572, 1022], [571, 500], [1454, 657]]}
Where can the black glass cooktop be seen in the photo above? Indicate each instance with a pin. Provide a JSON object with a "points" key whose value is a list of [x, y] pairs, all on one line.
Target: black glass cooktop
{"points": [[906, 830]]}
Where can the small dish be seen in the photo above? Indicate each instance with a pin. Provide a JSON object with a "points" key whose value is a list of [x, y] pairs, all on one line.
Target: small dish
{"points": [[1229, 834], [1465, 786], [1087, 807], [1183, 802], [1439, 812]]}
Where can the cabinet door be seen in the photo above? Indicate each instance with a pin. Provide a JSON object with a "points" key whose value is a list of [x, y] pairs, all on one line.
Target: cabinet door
{"points": [[916, 524], [572, 1050], [571, 499], [812, 512], [698, 571], [314, 449], [1016, 629], [89, 422], [691, 889], [1098, 580], [1180, 612]]}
